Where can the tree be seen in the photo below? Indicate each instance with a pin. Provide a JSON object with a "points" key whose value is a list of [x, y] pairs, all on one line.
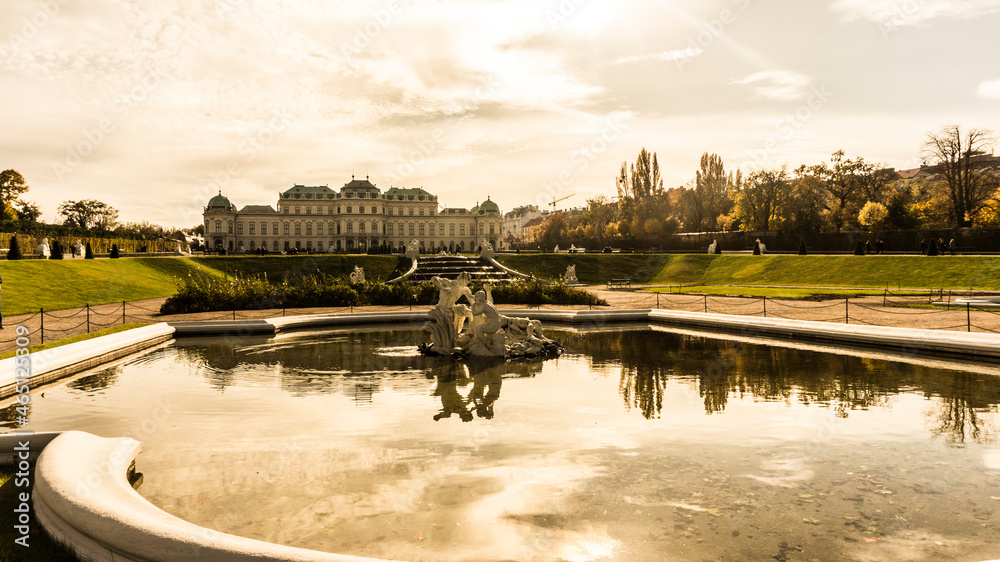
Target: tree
{"points": [[760, 202], [849, 183], [88, 253], [12, 185], [553, 230], [28, 212], [873, 215], [640, 189], [88, 214], [807, 208], [713, 193], [954, 154], [14, 253]]}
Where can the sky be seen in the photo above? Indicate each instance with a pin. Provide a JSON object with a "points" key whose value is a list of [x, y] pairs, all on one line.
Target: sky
{"points": [[154, 106]]}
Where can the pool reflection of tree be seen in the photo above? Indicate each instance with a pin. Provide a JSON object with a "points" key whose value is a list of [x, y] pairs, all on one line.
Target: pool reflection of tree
{"points": [[722, 369]]}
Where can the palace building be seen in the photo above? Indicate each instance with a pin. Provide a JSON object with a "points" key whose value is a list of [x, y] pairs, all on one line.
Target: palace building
{"points": [[356, 219]]}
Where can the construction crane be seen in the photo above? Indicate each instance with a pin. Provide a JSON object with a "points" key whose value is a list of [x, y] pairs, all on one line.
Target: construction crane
{"points": [[554, 200]]}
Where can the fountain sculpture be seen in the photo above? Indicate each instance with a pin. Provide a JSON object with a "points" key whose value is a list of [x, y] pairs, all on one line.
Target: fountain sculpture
{"points": [[478, 329], [358, 275]]}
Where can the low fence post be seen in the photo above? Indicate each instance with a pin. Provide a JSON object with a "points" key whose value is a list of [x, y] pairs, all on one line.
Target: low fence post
{"points": [[884, 295], [847, 310], [706, 304], [88, 317], [657, 301], [41, 315], [968, 317], [123, 313], [765, 306]]}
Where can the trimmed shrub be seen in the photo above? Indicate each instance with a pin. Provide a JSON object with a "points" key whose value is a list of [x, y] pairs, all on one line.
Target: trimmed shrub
{"points": [[88, 252], [56, 252], [114, 251], [859, 248], [802, 247], [14, 253], [756, 248]]}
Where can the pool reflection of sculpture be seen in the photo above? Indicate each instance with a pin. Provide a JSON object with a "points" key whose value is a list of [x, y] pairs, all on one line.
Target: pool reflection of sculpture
{"points": [[479, 329]]}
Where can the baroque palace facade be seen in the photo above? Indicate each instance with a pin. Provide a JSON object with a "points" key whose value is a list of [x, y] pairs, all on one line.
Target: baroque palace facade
{"points": [[357, 218]]}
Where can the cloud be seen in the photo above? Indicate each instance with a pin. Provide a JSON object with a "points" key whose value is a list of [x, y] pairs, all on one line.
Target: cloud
{"points": [[890, 14], [780, 85], [666, 56], [990, 89]]}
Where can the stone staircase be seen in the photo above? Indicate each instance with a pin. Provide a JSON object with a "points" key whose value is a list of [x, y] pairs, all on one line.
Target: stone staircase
{"points": [[449, 267]]}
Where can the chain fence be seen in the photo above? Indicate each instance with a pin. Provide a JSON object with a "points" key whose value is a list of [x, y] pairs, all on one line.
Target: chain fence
{"points": [[900, 309]]}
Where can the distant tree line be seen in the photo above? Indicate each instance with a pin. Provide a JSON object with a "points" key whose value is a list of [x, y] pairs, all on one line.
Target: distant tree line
{"points": [[959, 186]]}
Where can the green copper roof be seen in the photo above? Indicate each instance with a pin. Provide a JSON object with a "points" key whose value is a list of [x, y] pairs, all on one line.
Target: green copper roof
{"points": [[220, 201], [308, 192], [258, 209]]}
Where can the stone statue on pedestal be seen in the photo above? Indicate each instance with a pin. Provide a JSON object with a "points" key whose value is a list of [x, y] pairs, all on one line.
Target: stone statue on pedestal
{"points": [[478, 329], [358, 275]]}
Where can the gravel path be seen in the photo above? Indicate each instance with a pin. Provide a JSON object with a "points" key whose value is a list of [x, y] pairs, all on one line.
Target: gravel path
{"points": [[864, 310]]}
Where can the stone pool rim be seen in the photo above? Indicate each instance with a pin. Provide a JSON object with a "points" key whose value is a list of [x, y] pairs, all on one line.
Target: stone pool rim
{"points": [[110, 521]]}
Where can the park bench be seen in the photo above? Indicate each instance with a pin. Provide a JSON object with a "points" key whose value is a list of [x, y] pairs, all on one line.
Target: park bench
{"points": [[619, 283]]}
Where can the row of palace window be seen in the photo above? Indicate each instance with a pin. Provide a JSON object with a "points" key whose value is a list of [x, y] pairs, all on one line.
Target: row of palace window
{"points": [[414, 230], [361, 210], [350, 245]]}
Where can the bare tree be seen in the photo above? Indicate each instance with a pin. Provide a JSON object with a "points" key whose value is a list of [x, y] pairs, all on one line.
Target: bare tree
{"points": [[954, 156]]}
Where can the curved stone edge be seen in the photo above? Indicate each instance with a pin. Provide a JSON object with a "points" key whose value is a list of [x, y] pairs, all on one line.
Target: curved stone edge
{"points": [[405, 276], [83, 499], [493, 261], [57, 362]]}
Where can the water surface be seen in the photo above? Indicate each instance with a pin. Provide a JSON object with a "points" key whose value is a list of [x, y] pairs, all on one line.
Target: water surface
{"points": [[636, 444]]}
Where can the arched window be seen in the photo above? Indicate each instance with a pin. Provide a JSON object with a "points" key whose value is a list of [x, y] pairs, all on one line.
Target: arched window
{"points": [[350, 227], [361, 228], [298, 229], [309, 229]]}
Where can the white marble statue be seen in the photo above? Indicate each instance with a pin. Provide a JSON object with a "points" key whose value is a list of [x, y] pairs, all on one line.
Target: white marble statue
{"points": [[413, 249], [43, 249], [713, 246], [556, 249], [478, 329], [183, 248], [763, 248], [81, 251], [569, 277], [486, 252], [358, 275]]}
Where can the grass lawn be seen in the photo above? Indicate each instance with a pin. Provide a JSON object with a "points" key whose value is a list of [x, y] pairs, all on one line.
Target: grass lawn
{"points": [[773, 292], [948, 272], [58, 284], [40, 545], [591, 269], [80, 337]]}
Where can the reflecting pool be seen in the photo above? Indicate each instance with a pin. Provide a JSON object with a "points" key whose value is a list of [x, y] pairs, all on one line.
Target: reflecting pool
{"points": [[636, 444]]}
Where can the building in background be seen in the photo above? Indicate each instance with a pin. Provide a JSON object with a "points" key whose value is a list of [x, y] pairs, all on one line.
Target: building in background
{"points": [[515, 221], [357, 218]]}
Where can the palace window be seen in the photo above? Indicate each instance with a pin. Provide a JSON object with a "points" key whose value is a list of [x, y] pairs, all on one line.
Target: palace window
{"points": [[349, 209], [285, 209], [218, 227], [309, 229], [390, 211], [350, 228], [480, 229], [309, 209], [411, 211], [230, 227], [319, 245], [461, 230], [491, 228], [451, 229], [319, 228], [390, 229], [361, 228], [411, 229], [441, 230], [286, 229], [263, 228], [374, 227], [297, 210], [298, 229], [239, 228], [421, 229], [253, 230], [274, 228], [421, 211], [275, 245]]}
